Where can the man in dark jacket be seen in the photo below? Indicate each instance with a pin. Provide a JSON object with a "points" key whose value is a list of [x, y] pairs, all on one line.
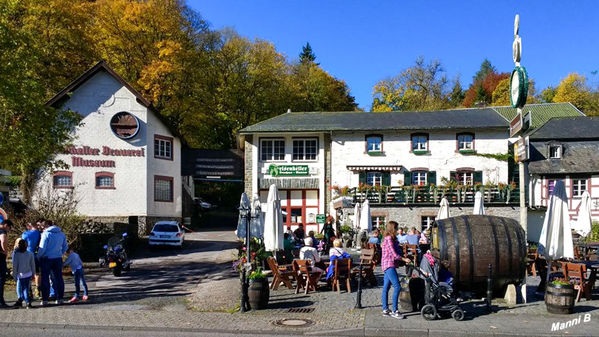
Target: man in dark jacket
{"points": [[5, 227], [52, 247]]}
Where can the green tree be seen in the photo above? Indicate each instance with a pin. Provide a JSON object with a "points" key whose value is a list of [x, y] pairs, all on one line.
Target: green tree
{"points": [[483, 85], [485, 69], [457, 94], [547, 94], [420, 87], [307, 55]]}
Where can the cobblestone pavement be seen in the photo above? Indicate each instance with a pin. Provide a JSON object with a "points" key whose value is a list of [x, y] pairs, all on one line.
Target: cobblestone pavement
{"points": [[157, 299]]}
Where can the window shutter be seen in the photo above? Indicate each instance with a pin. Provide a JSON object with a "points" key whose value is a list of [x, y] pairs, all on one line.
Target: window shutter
{"points": [[452, 176], [362, 177], [386, 178], [431, 177], [407, 178], [478, 177]]}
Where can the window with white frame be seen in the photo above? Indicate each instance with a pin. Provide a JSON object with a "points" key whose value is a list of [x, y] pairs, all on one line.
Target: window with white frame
{"points": [[420, 142], [465, 178], [163, 147], [578, 187], [465, 141], [272, 149], [374, 178], [378, 222], [555, 151], [419, 178], [426, 221], [374, 143], [305, 149]]}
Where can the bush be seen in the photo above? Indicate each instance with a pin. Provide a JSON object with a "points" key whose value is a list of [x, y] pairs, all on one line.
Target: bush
{"points": [[594, 234]]}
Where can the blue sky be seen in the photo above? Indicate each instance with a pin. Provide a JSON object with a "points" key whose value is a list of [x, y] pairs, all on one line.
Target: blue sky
{"points": [[363, 42]]}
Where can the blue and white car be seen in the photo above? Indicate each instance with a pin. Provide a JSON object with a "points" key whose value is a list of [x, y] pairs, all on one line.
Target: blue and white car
{"points": [[167, 233]]}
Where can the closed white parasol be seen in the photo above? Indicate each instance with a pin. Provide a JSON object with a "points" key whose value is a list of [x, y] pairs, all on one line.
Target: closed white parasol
{"points": [[365, 219], [273, 221], [582, 225], [556, 236], [479, 208]]}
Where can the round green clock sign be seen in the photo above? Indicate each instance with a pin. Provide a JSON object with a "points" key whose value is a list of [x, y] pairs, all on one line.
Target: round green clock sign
{"points": [[518, 87]]}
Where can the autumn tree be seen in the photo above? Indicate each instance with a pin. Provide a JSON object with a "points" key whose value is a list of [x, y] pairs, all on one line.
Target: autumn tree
{"points": [[574, 89], [546, 96], [483, 85], [420, 87]]}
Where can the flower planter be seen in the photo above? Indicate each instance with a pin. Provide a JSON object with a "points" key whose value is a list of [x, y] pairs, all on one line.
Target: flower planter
{"points": [[258, 294], [560, 299]]}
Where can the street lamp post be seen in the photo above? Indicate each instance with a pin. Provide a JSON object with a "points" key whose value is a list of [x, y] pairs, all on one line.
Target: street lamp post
{"points": [[518, 95]]}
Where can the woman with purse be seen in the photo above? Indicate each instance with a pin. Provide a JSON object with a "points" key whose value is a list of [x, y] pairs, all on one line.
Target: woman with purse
{"points": [[391, 259]]}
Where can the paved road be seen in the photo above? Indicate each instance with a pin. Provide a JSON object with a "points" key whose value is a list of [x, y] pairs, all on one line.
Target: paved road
{"points": [[159, 278]]}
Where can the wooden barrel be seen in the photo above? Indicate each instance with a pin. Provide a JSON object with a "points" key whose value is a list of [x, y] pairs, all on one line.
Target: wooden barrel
{"points": [[559, 299], [258, 294], [471, 242]]}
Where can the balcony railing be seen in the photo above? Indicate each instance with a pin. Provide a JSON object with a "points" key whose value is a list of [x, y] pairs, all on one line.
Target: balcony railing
{"points": [[404, 195]]}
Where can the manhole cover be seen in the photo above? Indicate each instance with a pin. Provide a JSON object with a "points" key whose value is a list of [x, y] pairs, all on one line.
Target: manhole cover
{"points": [[301, 310], [293, 322]]}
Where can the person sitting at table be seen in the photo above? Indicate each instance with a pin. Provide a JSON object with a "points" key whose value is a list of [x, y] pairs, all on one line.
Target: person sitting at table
{"points": [[336, 252], [374, 237], [402, 237], [314, 240], [308, 252], [423, 238], [413, 236], [299, 232]]}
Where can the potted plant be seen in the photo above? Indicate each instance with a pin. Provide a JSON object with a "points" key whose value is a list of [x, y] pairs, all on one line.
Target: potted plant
{"points": [[560, 296], [346, 235], [258, 292]]}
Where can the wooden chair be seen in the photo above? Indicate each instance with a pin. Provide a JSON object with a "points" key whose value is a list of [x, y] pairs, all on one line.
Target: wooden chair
{"points": [[306, 278], [411, 252], [579, 253], [281, 274], [576, 272], [342, 272], [531, 267], [368, 262]]}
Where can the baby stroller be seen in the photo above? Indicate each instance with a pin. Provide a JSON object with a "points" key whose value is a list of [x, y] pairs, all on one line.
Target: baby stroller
{"points": [[440, 300]]}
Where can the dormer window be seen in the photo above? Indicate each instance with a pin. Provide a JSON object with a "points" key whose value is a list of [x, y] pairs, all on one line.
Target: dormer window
{"points": [[555, 151]]}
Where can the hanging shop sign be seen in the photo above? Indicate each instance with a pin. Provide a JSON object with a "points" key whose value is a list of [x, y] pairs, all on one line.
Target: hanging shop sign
{"points": [[321, 219], [288, 170]]}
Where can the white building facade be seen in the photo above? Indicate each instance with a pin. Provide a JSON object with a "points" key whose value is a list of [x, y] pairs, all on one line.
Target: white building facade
{"points": [[124, 164], [326, 162]]}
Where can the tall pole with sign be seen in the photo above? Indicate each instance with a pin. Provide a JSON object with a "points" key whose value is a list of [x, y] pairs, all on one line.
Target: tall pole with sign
{"points": [[518, 95]]}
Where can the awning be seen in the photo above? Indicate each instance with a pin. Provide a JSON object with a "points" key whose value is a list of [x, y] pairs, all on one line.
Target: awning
{"points": [[386, 168]]}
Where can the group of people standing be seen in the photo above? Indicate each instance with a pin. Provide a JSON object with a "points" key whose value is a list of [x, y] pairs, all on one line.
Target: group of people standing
{"points": [[37, 256]]}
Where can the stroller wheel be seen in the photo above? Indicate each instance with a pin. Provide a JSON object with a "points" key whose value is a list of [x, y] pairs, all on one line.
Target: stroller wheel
{"points": [[458, 314], [429, 312]]}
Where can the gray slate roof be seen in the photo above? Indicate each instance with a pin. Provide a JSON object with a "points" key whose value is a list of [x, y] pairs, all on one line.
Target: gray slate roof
{"points": [[479, 118], [577, 157], [568, 128]]}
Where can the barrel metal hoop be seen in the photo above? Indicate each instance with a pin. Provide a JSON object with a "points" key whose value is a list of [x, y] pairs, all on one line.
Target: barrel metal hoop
{"points": [[509, 245], [493, 225], [470, 247], [521, 250], [443, 239], [560, 294], [456, 243]]}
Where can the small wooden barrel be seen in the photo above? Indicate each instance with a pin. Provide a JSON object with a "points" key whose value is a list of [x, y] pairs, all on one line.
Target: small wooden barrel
{"points": [[559, 299], [471, 242], [258, 294]]}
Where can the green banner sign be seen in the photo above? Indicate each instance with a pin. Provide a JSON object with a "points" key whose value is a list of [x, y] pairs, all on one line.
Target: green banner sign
{"points": [[320, 218], [288, 170]]}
